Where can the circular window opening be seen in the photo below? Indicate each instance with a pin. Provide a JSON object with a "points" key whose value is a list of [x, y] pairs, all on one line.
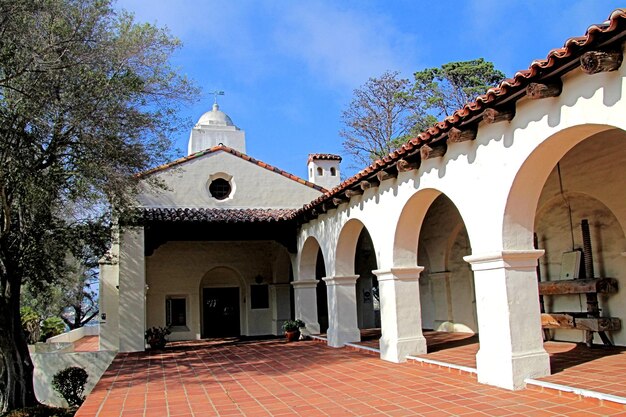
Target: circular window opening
{"points": [[220, 188]]}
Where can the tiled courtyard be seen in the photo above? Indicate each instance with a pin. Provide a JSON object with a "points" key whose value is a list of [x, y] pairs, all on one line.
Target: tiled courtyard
{"points": [[273, 378], [601, 368]]}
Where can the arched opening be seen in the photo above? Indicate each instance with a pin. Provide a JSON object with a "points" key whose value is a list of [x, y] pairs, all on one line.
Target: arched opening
{"points": [[321, 292], [311, 301], [431, 234], [368, 302], [446, 284], [221, 303], [577, 190], [576, 174]]}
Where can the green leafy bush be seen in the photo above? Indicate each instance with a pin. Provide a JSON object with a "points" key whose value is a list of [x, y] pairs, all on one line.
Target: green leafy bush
{"points": [[157, 337], [30, 324], [39, 411], [51, 326], [70, 383], [293, 325]]}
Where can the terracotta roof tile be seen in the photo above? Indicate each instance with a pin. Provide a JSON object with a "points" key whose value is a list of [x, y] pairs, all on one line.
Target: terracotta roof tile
{"points": [[557, 62], [218, 215], [323, 156], [235, 153]]}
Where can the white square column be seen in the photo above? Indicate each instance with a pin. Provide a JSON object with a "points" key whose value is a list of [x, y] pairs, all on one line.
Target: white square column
{"points": [[342, 318], [132, 290], [305, 303], [400, 313], [281, 309], [509, 319]]}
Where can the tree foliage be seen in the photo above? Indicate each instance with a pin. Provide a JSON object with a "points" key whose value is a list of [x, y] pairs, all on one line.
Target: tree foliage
{"points": [[87, 99], [378, 114], [443, 90], [388, 110]]}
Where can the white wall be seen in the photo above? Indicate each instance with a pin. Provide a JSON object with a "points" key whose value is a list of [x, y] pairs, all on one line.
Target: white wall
{"points": [[187, 185], [182, 268], [48, 364]]}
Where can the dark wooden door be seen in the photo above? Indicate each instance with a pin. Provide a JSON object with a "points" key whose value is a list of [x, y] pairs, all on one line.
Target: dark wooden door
{"points": [[221, 312]]}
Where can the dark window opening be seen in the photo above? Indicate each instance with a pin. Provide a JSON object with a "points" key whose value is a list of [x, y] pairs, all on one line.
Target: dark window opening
{"points": [[220, 188], [259, 296], [333, 171], [176, 312]]}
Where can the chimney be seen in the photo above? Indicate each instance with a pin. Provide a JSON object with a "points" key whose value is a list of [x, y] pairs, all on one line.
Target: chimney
{"points": [[324, 169]]}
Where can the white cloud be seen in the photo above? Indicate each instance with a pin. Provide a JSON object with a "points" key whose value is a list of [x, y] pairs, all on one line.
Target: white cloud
{"points": [[343, 46]]}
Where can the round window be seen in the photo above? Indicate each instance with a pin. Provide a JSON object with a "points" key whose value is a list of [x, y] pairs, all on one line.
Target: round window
{"points": [[220, 188]]}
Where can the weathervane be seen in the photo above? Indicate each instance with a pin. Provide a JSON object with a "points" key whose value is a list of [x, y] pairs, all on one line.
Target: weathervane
{"points": [[215, 94]]}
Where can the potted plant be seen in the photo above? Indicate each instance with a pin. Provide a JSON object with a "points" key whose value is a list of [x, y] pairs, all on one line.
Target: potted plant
{"points": [[292, 329], [157, 337]]}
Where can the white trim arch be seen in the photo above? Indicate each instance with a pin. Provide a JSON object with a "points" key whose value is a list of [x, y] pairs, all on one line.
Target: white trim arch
{"points": [[523, 196]]}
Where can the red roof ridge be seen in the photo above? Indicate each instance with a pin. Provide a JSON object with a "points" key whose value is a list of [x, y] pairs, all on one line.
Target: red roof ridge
{"points": [[236, 153]]}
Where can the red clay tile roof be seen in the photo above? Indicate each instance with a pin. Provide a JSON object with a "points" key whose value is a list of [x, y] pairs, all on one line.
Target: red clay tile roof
{"points": [[237, 154], [558, 62], [323, 156], [216, 215]]}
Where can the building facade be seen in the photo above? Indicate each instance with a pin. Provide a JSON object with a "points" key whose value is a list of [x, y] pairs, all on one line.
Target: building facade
{"points": [[451, 232]]}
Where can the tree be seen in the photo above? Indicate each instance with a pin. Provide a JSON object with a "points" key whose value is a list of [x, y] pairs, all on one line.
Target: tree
{"points": [[443, 90], [377, 115], [387, 111], [87, 99]]}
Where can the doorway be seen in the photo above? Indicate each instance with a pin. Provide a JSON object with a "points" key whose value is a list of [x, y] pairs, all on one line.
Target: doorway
{"points": [[220, 312]]}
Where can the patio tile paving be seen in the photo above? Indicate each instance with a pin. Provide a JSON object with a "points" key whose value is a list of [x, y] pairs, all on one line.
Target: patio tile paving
{"points": [[600, 368], [271, 378]]}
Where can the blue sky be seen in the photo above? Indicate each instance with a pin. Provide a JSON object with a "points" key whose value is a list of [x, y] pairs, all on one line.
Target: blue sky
{"points": [[288, 68]]}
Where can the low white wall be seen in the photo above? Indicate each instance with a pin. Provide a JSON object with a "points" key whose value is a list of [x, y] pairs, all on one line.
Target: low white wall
{"points": [[48, 364], [74, 335]]}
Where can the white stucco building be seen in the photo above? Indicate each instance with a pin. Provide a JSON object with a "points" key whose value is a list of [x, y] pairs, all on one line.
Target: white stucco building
{"points": [[439, 235]]}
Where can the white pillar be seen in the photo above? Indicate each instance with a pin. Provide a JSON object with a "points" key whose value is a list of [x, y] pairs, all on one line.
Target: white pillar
{"points": [[281, 309], [400, 313], [132, 291], [509, 320], [305, 303], [342, 321], [109, 302]]}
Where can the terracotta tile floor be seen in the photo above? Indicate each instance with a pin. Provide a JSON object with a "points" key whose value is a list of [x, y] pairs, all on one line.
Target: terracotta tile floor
{"points": [[272, 378], [601, 369], [87, 344]]}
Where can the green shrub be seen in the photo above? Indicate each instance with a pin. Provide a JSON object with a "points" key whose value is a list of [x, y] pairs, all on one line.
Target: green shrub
{"points": [[30, 324], [51, 326], [70, 383], [157, 337], [39, 411]]}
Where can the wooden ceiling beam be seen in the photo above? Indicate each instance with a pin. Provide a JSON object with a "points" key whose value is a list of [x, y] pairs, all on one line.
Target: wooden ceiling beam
{"points": [[593, 62], [538, 90], [456, 135], [492, 115]]}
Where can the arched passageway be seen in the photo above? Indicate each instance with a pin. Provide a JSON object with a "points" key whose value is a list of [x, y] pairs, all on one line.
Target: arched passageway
{"points": [[368, 301], [575, 191], [560, 182], [446, 283], [321, 292]]}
